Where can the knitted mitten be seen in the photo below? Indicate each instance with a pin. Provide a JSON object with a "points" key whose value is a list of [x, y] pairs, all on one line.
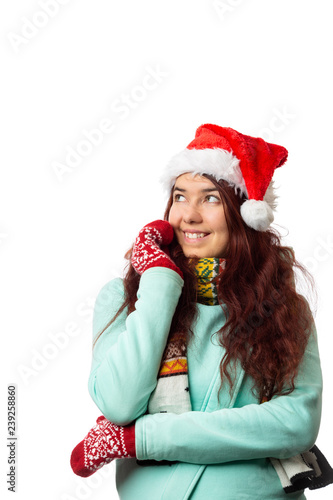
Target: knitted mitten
{"points": [[147, 251], [103, 443]]}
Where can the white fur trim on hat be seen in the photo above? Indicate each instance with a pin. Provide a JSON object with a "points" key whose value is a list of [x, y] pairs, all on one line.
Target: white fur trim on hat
{"points": [[257, 214], [219, 163]]}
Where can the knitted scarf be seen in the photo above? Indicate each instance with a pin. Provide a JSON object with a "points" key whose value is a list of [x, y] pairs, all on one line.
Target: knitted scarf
{"points": [[171, 395]]}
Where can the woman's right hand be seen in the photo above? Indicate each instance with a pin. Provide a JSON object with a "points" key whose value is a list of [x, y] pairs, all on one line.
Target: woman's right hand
{"points": [[147, 251]]}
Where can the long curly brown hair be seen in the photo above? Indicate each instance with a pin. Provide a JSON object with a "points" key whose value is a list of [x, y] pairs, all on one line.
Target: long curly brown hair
{"points": [[267, 322]]}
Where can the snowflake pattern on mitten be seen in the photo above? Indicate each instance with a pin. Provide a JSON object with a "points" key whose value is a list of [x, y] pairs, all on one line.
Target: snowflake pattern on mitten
{"points": [[146, 250], [103, 443]]}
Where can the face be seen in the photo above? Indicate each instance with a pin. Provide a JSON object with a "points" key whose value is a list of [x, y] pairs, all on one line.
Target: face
{"points": [[197, 217]]}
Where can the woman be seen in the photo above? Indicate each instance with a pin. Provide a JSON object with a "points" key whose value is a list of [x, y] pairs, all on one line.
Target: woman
{"points": [[205, 360]]}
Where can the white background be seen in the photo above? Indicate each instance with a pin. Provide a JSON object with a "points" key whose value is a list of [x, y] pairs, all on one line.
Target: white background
{"points": [[261, 67]]}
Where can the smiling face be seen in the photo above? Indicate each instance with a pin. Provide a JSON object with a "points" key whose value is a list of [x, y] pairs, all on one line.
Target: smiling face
{"points": [[198, 218]]}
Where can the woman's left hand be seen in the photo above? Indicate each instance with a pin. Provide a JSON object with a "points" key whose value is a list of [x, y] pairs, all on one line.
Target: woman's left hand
{"points": [[103, 443]]}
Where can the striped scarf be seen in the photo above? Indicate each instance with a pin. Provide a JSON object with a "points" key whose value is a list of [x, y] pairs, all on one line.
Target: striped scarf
{"points": [[171, 394]]}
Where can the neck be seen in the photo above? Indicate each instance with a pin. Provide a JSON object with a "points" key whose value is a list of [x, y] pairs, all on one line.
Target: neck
{"points": [[208, 273]]}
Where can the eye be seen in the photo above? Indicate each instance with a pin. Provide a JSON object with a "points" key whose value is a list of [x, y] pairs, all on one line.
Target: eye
{"points": [[212, 199], [179, 197]]}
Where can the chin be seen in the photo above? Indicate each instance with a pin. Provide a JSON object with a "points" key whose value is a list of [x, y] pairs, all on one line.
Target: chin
{"points": [[192, 254]]}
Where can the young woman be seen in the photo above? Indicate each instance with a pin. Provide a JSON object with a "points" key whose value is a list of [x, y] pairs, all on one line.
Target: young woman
{"points": [[205, 362]]}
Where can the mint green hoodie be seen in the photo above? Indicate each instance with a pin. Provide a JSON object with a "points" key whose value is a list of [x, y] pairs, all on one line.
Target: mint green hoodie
{"points": [[221, 447]]}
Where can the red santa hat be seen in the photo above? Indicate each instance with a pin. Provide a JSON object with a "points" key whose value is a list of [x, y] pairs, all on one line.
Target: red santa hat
{"points": [[247, 163]]}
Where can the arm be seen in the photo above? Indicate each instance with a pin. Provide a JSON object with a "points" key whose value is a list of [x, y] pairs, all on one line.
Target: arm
{"points": [[127, 356], [281, 428]]}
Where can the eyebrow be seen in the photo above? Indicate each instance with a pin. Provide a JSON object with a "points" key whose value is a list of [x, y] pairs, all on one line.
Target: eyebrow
{"points": [[205, 190]]}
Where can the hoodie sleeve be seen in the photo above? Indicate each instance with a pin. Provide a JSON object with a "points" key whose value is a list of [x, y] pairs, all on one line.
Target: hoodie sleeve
{"points": [[127, 356]]}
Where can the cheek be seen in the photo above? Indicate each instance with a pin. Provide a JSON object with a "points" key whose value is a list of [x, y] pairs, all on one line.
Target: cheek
{"points": [[216, 219], [224, 233], [173, 216], [220, 226]]}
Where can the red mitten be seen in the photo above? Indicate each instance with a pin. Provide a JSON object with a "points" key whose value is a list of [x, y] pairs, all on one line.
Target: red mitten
{"points": [[147, 251], [102, 444]]}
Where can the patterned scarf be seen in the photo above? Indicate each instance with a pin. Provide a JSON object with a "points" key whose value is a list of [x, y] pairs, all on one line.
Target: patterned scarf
{"points": [[171, 394]]}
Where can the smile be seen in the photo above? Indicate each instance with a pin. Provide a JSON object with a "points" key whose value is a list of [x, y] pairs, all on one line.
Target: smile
{"points": [[195, 236]]}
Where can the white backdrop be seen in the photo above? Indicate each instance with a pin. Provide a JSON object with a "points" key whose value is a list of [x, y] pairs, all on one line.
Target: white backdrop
{"points": [[95, 99]]}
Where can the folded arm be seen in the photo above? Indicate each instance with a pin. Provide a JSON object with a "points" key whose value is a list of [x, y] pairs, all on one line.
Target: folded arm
{"points": [[127, 356], [280, 428]]}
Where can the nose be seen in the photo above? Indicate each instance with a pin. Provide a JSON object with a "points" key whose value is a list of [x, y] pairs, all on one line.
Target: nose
{"points": [[191, 215]]}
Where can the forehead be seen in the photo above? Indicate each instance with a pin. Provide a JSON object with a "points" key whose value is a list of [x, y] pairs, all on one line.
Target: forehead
{"points": [[196, 182]]}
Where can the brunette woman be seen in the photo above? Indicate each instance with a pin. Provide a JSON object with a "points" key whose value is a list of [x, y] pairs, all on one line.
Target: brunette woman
{"points": [[205, 362]]}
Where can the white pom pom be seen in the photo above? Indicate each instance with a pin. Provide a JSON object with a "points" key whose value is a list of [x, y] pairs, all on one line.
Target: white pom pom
{"points": [[257, 214]]}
